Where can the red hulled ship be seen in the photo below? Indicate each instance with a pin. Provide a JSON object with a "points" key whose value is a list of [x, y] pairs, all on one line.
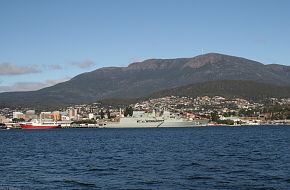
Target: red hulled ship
{"points": [[40, 124]]}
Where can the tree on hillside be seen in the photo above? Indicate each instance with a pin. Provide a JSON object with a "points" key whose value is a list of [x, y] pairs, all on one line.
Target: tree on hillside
{"points": [[247, 113], [102, 114], [17, 120], [108, 114], [214, 116], [128, 111]]}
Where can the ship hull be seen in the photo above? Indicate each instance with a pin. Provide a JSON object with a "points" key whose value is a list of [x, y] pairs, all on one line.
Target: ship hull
{"points": [[177, 124], [30, 126], [135, 123]]}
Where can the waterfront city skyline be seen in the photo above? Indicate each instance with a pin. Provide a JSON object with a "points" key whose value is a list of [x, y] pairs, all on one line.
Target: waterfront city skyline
{"points": [[46, 42]]}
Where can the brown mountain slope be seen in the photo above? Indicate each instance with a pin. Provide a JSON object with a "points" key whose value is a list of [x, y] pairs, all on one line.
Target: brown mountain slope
{"points": [[144, 78]]}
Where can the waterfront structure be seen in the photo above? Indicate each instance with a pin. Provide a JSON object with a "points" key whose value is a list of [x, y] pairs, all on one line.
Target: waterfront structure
{"points": [[199, 110], [30, 114], [3, 119], [92, 116]]}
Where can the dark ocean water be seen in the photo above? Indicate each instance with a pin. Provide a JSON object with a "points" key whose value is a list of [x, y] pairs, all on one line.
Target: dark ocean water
{"points": [[172, 158]]}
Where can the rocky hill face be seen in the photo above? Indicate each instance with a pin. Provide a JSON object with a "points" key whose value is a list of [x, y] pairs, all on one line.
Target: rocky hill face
{"points": [[144, 78]]}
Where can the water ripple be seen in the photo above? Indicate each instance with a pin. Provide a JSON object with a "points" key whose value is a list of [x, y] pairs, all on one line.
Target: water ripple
{"points": [[237, 158]]}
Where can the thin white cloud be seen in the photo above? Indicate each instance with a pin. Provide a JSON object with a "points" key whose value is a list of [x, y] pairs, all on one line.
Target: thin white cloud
{"points": [[54, 67], [7, 68], [261, 41], [56, 81], [13, 69], [84, 64], [22, 86], [31, 86]]}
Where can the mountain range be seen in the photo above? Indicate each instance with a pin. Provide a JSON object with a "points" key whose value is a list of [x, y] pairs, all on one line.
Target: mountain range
{"points": [[154, 77]]}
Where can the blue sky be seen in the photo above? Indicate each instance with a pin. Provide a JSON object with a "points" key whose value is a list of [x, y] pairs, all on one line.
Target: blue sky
{"points": [[49, 41]]}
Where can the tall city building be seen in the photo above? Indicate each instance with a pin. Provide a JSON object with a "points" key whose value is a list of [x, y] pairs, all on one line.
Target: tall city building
{"points": [[56, 116], [18, 115], [45, 115], [72, 113]]}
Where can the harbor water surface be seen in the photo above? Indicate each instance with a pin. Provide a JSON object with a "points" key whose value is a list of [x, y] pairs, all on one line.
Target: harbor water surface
{"points": [[160, 158]]}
